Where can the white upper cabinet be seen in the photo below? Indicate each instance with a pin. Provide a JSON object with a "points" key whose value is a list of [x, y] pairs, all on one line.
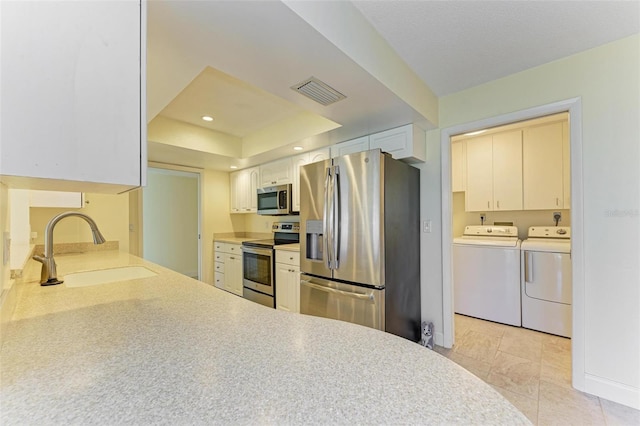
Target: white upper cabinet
{"points": [[350, 147], [458, 166], [299, 161], [406, 143], [543, 173], [275, 173], [479, 193], [56, 199], [243, 190], [507, 171], [494, 172], [72, 94]]}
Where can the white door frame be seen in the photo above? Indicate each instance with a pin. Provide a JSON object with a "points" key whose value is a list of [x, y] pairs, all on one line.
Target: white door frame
{"points": [[198, 172], [574, 107]]}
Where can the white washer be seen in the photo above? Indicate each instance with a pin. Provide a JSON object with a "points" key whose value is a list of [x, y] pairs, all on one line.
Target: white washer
{"points": [[486, 273], [546, 280]]}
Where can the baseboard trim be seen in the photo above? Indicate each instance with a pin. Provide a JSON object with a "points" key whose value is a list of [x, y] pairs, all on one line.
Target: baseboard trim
{"points": [[438, 338], [613, 391]]}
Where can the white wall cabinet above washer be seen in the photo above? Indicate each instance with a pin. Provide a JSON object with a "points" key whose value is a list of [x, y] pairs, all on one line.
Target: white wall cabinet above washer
{"points": [[543, 167], [73, 95], [406, 143], [494, 172], [458, 166]]}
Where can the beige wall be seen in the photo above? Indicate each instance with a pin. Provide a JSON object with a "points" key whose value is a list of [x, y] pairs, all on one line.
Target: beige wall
{"points": [[607, 80], [110, 212], [216, 217], [523, 219], [256, 223]]}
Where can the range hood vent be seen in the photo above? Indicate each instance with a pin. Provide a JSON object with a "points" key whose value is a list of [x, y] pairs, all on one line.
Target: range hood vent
{"points": [[318, 91]]}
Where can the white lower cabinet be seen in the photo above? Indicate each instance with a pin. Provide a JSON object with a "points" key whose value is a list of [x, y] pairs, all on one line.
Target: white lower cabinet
{"points": [[288, 281], [228, 267]]}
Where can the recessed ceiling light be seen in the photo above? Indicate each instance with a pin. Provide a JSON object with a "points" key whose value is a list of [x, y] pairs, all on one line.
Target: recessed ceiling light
{"points": [[477, 132], [207, 118], [297, 148], [233, 167]]}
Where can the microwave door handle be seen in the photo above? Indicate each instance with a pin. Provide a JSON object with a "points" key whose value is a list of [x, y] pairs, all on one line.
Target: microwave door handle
{"points": [[335, 233], [325, 217]]}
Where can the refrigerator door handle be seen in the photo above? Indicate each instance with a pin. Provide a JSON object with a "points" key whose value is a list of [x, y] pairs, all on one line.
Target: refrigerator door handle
{"points": [[335, 232], [367, 296], [327, 225]]}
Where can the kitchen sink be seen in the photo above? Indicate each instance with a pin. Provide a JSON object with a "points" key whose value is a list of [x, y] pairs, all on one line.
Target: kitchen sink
{"points": [[103, 276]]}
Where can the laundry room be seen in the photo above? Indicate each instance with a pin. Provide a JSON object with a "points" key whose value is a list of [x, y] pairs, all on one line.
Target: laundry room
{"points": [[511, 251]]}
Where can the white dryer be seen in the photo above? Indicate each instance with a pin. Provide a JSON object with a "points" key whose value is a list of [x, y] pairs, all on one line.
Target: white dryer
{"points": [[486, 273], [546, 280]]}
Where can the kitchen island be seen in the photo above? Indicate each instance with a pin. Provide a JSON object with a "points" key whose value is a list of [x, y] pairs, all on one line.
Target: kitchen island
{"points": [[168, 349]]}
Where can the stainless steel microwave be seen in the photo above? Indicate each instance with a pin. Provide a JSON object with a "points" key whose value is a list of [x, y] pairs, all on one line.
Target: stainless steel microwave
{"points": [[274, 200]]}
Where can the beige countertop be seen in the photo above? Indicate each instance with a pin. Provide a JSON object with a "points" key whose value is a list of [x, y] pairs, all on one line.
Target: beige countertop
{"points": [[172, 350], [234, 240]]}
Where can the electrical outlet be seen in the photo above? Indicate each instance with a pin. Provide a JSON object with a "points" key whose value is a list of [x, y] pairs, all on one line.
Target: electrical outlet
{"points": [[426, 226]]}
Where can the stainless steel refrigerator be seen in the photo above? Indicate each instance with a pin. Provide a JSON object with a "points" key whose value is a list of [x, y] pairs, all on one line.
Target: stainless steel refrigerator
{"points": [[360, 242]]}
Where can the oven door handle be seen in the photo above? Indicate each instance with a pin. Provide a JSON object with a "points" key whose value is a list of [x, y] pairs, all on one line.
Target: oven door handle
{"points": [[259, 251]]}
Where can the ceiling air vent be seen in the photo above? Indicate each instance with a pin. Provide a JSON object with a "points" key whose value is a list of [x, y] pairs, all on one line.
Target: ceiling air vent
{"points": [[320, 92]]}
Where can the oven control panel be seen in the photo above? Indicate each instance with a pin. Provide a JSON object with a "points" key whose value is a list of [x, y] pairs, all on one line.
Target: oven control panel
{"points": [[293, 227]]}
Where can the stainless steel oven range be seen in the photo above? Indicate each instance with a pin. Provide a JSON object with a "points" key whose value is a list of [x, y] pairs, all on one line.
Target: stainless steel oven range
{"points": [[258, 263]]}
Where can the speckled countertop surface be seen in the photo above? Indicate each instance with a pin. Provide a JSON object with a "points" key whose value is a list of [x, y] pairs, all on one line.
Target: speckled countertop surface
{"points": [[172, 350]]}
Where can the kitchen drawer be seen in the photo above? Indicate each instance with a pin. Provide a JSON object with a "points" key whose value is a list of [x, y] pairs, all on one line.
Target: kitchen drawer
{"points": [[231, 248], [218, 257], [219, 267], [220, 247], [219, 280], [288, 257], [234, 248]]}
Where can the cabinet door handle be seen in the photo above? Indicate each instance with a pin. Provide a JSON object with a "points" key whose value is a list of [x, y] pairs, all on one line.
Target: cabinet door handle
{"points": [[557, 201], [488, 204], [498, 203]]}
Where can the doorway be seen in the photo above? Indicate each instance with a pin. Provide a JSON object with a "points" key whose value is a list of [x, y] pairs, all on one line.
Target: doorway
{"points": [[573, 106], [171, 220]]}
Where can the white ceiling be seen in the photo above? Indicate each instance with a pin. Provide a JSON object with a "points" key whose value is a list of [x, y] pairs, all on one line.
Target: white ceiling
{"points": [[454, 45], [237, 60]]}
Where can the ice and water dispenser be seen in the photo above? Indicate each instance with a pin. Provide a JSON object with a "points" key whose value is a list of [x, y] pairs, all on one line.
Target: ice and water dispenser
{"points": [[314, 240]]}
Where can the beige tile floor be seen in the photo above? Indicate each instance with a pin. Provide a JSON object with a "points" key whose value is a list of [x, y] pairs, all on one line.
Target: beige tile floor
{"points": [[533, 371]]}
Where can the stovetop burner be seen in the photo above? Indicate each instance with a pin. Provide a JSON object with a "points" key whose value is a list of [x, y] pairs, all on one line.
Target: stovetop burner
{"points": [[283, 233]]}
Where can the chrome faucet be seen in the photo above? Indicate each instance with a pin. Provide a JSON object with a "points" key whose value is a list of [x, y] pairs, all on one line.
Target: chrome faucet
{"points": [[48, 274]]}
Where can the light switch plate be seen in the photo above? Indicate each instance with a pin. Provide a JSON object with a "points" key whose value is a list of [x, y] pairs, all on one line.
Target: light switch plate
{"points": [[426, 226]]}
